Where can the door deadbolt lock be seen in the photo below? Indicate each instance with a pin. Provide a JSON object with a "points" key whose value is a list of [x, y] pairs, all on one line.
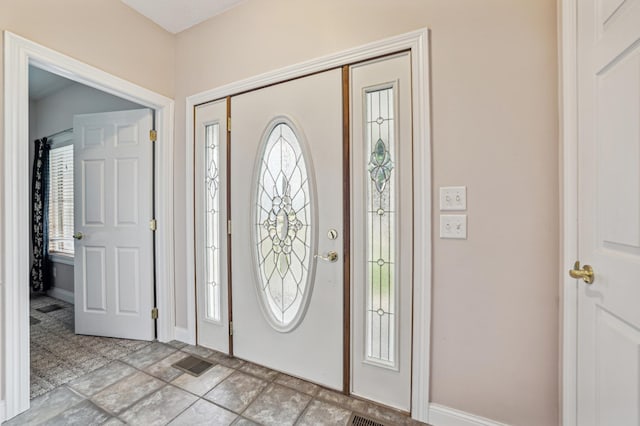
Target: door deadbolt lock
{"points": [[332, 234]]}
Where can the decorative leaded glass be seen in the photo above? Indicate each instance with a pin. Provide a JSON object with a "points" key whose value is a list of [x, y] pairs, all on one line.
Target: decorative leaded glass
{"points": [[283, 227], [381, 227], [212, 222]]}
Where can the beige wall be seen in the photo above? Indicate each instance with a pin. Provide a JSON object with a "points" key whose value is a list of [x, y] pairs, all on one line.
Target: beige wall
{"points": [[102, 33], [495, 323], [495, 297]]}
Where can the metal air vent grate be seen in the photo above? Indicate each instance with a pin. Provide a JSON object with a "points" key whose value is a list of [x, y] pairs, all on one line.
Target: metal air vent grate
{"points": [[193, 365], [359, 420], [49, 308]]}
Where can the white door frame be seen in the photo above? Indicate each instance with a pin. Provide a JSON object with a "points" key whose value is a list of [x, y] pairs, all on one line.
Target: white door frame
{"points": [[19, 53], [418, 43], [568, 93]]}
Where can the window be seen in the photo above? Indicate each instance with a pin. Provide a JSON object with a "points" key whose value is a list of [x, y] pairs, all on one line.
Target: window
{"points": [[282, 234], [212, 222], [381, 227], [61, 200]]}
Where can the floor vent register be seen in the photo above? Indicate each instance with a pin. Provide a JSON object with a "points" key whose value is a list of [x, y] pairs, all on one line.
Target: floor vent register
{"points": [[193, 365], [359, 420], [49, 308]]}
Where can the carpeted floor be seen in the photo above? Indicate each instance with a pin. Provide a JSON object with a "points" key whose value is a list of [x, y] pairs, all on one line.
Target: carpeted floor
{"points": [[58, 355]]}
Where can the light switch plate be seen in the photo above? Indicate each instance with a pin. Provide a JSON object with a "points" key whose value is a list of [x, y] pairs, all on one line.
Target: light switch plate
{"points": [[453, 226], [453, 198]]}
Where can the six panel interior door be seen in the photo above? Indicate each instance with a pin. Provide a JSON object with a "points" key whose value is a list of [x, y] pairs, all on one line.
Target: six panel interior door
{"points": [[113, 263]]}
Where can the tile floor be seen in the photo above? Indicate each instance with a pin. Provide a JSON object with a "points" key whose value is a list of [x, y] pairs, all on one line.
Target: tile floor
{"points": [[142, 388], [58, 355]]}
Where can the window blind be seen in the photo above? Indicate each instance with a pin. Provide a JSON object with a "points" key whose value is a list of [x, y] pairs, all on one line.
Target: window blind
{"points": [[61, 200]]}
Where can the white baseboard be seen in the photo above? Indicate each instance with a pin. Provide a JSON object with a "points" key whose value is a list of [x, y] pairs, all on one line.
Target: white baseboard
{"points": [[61, 294], [439, 415], [2, 411], [183, 335]]}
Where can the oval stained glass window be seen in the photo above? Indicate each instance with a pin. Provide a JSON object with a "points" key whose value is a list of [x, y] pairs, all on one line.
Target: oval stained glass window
{"points": [[283, 228]]}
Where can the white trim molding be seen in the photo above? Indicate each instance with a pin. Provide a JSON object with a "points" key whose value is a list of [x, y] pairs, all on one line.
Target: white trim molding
{"points": [[418, 43], [568, 94], [19, 53], [439, 415], [184, 335], [61, 294], [2, 411]]}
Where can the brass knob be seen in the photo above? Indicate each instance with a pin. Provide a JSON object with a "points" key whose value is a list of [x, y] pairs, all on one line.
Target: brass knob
{"points": [[78, 235], [331, 256], [586, 273]]}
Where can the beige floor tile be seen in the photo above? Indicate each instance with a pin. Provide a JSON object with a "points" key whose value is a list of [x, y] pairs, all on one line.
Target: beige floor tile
{"points": [[94, 382], [320, 413], [204, 413], [204, 383], [277, 406], [164, 370], [259, 371], [127, 391], [237, 391], [159, 408]]}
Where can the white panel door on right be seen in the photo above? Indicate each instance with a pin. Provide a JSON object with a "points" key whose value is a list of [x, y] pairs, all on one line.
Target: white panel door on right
{"points": [[608, 334], [286, 197], [382, 230]]}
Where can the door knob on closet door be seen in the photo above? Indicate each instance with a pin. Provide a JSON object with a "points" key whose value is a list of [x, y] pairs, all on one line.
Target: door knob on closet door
{"points": [[585, 273]]}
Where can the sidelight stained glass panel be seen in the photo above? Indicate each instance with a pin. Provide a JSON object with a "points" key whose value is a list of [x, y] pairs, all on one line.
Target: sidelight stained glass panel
{"points": [[282, 226], [212, 222], [381, 227]]}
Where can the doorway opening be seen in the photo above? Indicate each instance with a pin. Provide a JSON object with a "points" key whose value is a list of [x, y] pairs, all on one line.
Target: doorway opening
{"points": [[415, 43], [60, 351], [19, 55]]}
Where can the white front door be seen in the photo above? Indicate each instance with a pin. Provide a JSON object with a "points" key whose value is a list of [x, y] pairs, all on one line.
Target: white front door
{"points": [[286, 208], [211, 225], [382, 230], [113, 189], [608, 347]]}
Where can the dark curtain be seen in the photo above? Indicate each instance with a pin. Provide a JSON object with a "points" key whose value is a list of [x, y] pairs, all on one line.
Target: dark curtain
{"points": [[40, 280]]}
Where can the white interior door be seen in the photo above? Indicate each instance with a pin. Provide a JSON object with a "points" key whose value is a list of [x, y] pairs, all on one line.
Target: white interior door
{"points": [[286, 198], [113, 266], [608, 381], [211, 225], [382, 230]]}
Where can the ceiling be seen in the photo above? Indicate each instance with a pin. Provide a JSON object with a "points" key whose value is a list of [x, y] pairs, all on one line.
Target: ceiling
{"points": [[178, 15], [43, 83]]}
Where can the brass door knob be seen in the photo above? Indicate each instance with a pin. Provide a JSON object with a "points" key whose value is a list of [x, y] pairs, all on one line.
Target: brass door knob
{"points": [[586, 273], [78, 235]]}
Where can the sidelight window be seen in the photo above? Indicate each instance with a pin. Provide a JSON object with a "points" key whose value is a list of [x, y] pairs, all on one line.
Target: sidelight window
{"points": [[380, 227]]}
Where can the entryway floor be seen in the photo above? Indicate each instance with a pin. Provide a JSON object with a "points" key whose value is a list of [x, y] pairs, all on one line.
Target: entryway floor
{"points": [[58, 355], [142, 388]]}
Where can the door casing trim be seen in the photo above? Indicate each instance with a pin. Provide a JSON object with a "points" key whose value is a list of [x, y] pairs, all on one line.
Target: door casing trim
{"points": [[568, 98], [418, 43], [19, 53]]}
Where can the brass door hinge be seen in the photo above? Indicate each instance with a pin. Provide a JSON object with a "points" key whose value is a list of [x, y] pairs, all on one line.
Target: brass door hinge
{"points": [[154, 313], [229, 227], [153, 135], [153, 225], [228, 124], [230, 328]]}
